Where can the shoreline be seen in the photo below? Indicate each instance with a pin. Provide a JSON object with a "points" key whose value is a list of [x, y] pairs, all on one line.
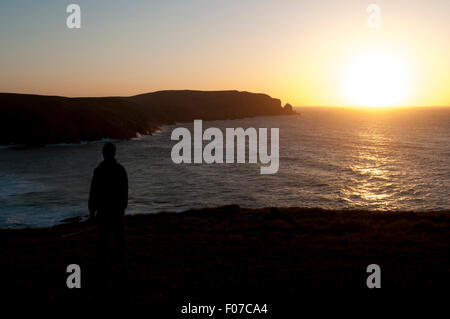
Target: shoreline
{"points": [[151, 132], [220, 251], [80, 219]]}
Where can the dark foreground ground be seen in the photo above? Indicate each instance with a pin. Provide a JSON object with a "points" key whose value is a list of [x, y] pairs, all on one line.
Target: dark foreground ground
{"points": [[229, 253]]}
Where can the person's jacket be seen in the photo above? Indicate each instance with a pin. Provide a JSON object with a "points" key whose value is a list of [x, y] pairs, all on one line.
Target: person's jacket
{"points": [[109, 187]]}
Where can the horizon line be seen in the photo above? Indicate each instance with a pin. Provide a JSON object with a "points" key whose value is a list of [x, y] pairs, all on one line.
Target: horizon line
{"points": [[236, 90]]}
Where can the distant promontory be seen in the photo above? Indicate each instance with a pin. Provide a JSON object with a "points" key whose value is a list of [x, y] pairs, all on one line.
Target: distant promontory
{"points": [[38, 119]]}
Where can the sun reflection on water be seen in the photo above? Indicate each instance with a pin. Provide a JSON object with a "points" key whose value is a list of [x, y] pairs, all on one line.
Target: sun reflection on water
{"points": [[371, 174]]}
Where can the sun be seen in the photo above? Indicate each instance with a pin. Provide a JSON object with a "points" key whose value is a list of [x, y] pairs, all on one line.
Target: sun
{"points": [[376, 79]]}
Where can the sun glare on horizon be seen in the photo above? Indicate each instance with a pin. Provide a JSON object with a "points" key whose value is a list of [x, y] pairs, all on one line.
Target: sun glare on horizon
{"points": [[377, 78]]}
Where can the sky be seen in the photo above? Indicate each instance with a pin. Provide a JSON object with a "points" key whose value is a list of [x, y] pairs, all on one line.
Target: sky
{"points": [[297, 51]]}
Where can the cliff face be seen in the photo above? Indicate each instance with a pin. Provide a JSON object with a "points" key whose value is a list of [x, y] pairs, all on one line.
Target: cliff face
{"points": [[36, 119], [32, 119], [181, 106]]}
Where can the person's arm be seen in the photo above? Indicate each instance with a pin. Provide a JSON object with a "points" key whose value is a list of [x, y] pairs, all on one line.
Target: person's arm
{"points": [[93, 196]]}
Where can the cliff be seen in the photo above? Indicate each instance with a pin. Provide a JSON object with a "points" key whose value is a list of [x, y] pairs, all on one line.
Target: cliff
{"points": [[37, 119]]}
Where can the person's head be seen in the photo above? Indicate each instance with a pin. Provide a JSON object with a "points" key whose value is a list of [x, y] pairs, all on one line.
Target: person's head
{"points": [[109, 151]]}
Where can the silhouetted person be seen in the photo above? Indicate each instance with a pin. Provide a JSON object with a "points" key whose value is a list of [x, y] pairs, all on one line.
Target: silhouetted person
{"points": [[109, 198]]}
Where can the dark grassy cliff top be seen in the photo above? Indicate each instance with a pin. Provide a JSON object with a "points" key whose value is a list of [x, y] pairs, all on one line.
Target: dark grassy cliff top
{"points": [[232, 251]]}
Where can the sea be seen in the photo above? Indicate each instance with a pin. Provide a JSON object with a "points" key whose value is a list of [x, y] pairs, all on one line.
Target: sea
{"points": [[332, 158]]}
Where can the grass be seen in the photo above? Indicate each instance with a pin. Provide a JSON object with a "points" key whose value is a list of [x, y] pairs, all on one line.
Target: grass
{"points": [[215, 252]]}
